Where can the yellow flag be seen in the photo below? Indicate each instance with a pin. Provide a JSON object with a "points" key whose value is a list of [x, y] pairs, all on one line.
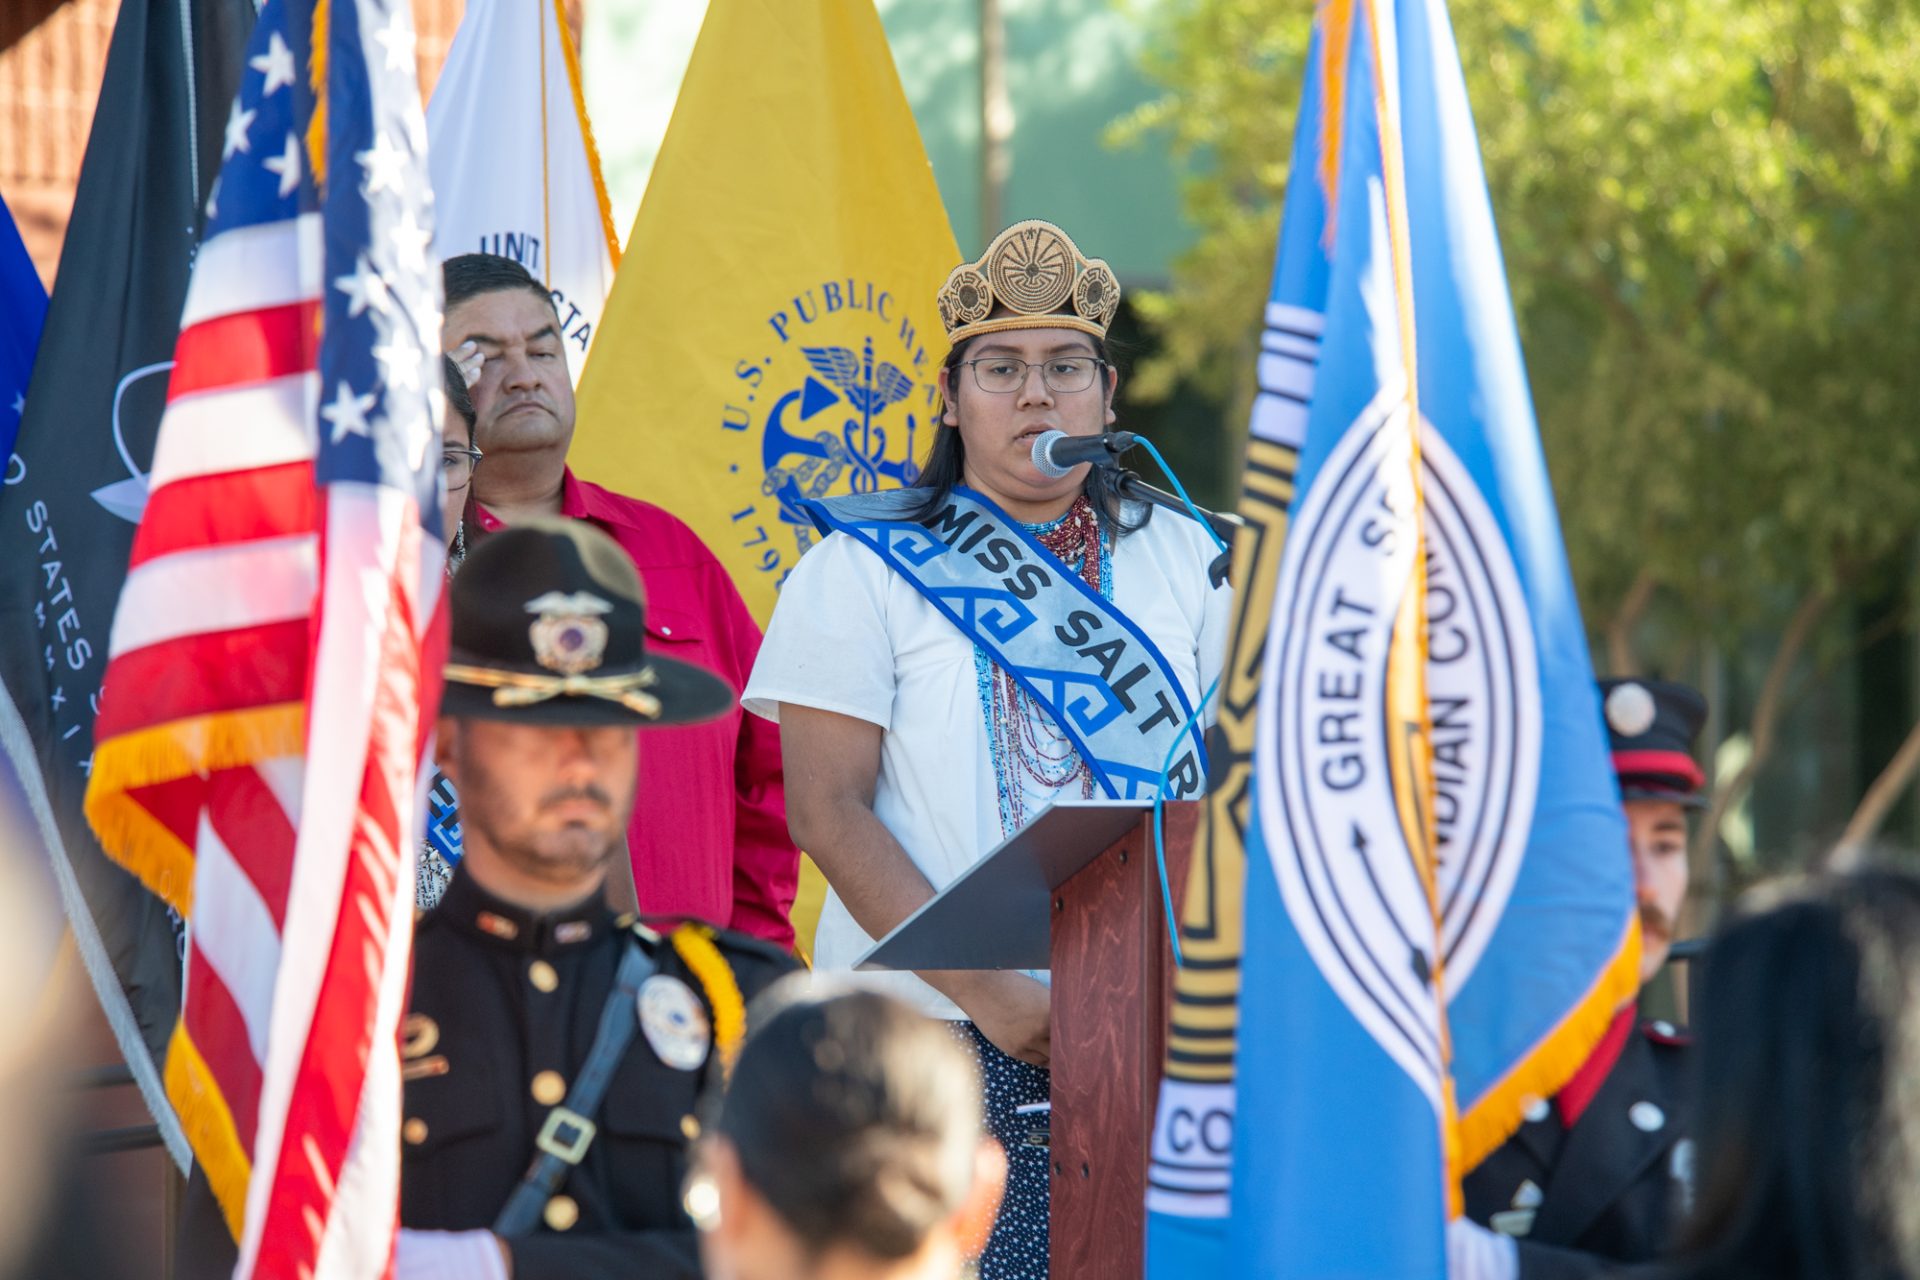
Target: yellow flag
{"points": [[772, 333]]}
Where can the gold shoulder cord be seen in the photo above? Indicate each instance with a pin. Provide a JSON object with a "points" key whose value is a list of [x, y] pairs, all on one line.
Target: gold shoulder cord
{"points": [[694, 943]]}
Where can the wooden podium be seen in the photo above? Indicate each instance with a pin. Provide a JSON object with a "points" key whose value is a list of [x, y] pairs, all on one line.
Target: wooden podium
{"points": [[1077, 891]]}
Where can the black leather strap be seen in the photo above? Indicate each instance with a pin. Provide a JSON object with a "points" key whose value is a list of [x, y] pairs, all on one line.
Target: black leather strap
{"points": [[569, 1128]]}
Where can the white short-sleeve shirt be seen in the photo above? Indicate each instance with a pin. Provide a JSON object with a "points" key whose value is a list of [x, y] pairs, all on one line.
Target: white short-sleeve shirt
{"points": [[850, 635]]}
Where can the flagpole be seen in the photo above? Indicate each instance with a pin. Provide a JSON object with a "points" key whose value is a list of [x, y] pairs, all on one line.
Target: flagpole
{"points": [[572, 56], [1412, 619], [546, 146]]}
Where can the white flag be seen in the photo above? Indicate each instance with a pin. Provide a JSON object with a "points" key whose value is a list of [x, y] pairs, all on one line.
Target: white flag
{"points": [[514, 167]]}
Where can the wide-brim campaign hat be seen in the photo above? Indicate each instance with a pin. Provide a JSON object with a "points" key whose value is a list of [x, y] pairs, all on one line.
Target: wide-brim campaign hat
{"points": [[549, 627], [1651, 728]]}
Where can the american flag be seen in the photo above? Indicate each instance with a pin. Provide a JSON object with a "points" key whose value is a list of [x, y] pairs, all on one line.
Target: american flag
{"points": [[261, 725]]}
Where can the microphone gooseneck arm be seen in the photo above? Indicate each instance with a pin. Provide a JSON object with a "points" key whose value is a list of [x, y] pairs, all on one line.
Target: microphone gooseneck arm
{"points": [[1223, 523]]}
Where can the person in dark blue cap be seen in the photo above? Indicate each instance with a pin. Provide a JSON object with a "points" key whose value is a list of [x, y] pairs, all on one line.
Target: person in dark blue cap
{"points": [[1652, 725], [1597, 1176]]}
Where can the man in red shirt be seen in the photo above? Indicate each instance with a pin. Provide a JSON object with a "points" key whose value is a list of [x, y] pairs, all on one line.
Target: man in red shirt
{"points": [[711, 843]]}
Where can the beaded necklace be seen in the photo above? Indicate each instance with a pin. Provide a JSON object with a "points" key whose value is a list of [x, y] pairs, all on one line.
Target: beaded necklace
{"points": [[1029, 751]]}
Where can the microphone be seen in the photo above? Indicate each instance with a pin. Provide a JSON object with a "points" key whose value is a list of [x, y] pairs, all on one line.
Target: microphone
{"points": [[1055, 453]]}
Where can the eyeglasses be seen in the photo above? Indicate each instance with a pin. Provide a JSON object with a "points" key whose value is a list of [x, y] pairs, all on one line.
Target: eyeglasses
{"points": [[457, 464], [1001, 375]]}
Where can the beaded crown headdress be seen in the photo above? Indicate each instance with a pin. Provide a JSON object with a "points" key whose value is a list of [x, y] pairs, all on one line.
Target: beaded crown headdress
{"points": [[1036, 278]]}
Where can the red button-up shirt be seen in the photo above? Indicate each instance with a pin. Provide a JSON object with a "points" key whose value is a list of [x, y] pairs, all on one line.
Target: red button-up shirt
{"points": [[709, 836]]}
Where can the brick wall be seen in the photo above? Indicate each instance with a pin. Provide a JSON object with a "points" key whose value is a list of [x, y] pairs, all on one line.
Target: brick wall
{"points": [[53, 54], [51, 61]]}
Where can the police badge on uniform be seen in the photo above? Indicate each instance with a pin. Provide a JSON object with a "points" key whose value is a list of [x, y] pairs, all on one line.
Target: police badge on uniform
{"points": [[568, 636], [674, 1022]]}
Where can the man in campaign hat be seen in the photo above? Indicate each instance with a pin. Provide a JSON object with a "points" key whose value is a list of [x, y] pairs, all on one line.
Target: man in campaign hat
{"points": [[1597, 1176], [553, 1053]]}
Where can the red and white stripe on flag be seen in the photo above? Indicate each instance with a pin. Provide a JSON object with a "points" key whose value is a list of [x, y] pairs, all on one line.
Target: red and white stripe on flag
{"points": [[198, 772], [261, 724]]}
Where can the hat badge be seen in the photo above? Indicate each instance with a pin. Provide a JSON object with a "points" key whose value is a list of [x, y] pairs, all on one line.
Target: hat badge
{"points": [[1630, 709], [568, 635]]}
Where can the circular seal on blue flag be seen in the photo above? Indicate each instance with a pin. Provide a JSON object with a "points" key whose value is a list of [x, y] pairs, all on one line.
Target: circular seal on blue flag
{"points": [[674, 1022], [1345, 781]]}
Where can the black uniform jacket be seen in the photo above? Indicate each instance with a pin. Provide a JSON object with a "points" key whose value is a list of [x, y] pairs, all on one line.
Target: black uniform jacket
{"points": [[1608, 1190], [503, 1013]]}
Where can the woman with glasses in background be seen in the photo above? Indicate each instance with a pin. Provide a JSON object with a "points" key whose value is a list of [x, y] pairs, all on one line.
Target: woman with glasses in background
{"points": [[458, 458], [440, 849], [950, 659]]}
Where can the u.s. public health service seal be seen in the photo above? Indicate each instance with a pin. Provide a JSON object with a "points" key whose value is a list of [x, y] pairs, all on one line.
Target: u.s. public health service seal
{"points": [[1338, 809], [839, 400]]}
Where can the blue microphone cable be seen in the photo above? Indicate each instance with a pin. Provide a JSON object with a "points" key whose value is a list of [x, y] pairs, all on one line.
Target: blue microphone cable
{"points": [[1180, 490], [1160, 824], [1160, 793]]}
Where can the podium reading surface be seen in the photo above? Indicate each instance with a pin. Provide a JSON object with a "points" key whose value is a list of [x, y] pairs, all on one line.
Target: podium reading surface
{"points": [[998, 914], [1077, 891]]}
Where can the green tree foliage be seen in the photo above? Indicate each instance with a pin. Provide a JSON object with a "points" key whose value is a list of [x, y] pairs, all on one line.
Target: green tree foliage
{"points": [[1712, 230], [1711, 218]]}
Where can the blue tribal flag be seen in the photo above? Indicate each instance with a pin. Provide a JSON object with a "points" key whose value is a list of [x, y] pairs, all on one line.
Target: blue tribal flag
{"points": [[1190, 1173], [23, 312], [1439, 902]]}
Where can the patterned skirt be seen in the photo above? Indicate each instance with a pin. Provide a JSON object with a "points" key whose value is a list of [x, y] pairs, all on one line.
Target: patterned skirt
{"points": [[1017, 1250]]}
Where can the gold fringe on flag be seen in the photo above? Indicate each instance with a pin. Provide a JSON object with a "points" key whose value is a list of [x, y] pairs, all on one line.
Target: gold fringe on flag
{"points": [[317, 79], [586, 135], [167, 753], [1496, 1115], [208, 1122], [1335, 20]]}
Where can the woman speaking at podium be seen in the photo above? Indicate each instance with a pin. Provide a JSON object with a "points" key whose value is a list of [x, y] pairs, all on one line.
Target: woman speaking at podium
{"points": [[949, 659]]}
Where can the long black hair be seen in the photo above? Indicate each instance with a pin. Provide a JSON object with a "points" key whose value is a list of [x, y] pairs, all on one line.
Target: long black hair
{"points": [[459, 399], [1808, 1071], [946, 461]]}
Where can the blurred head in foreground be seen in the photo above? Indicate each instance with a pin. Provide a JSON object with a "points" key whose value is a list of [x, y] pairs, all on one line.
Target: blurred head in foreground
{"points": [[1809, 1115], [63, 1213], [849, 1144]]}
